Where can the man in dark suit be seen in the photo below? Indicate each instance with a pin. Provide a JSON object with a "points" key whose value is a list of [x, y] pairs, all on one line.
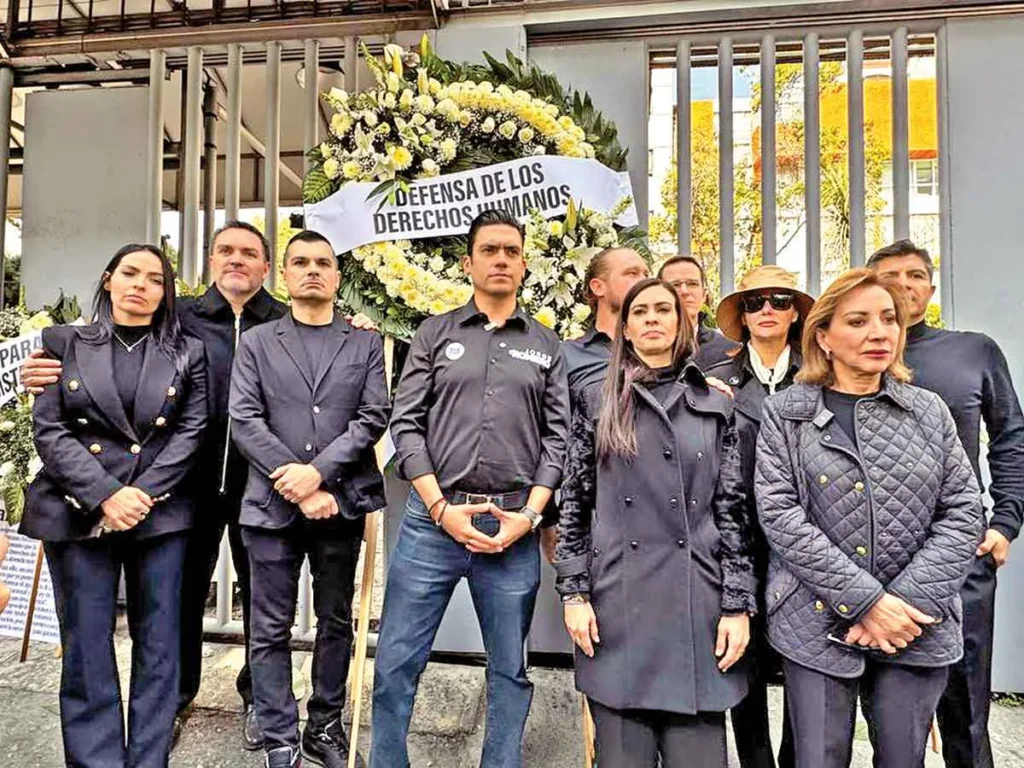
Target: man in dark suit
{"points": [[308, 402]]}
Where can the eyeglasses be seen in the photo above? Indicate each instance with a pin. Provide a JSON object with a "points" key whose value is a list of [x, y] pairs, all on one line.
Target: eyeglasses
{"points": [[752, 303]]}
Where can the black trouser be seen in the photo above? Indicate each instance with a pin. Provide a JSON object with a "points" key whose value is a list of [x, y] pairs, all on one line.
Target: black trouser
{"points": [[203, 549], [963, 709], [898, 702], [636, 738], [750, 727], [86, 575], [275, 559]]}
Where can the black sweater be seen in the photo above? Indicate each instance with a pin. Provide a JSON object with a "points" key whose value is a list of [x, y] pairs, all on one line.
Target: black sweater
{"points": [[969, 372]]}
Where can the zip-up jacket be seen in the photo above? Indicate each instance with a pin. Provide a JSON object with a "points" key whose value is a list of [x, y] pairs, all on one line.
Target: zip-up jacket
{"points": [[221, 471]]}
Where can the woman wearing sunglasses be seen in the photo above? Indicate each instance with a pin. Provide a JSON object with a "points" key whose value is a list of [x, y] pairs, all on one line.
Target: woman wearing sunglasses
{"points": [[765, 314], [653, 548]]}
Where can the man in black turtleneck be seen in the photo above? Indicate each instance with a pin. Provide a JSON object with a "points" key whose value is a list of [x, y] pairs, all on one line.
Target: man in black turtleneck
{"points": [[969, 372]]}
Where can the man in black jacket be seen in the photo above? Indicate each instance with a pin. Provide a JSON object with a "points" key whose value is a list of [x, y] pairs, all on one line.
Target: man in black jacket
{"points": [[969, 372], [308, 403], [686, 275], [235, 302]]}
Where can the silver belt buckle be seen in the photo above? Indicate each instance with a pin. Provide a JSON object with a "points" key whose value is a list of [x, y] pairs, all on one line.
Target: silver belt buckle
{"points": [[478, 498]]}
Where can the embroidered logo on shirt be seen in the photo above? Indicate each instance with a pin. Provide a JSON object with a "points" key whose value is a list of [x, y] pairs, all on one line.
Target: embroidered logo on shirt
{"points": [[532, 356], [454, 351]]}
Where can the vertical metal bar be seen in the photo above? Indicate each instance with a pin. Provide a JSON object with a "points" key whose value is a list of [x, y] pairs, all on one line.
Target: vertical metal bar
{"points": [[225, 591], [684, 170], [272, 176], [155, 146], [945, 188], [855, 130], [350, 63], [29, 23], [60, 15], [305, 604], [233, 133], [209, 174], [123, 2], [311, 113], [812, 162], [900, 135], [13, 13], [768, 217], [6, 95], [726, 181], [188, 266]]}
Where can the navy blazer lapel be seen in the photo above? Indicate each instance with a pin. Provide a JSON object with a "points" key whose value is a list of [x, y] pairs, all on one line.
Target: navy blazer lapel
{"points": [[332, 346], [154, 388], [289, 337], [96, 367]]}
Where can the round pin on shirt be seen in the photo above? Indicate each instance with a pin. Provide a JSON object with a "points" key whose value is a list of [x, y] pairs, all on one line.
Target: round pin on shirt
{"points": [[454, 351]]}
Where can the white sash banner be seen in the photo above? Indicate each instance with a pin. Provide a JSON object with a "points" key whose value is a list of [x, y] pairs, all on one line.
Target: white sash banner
{"points": [[446, 205], [13, 353]]}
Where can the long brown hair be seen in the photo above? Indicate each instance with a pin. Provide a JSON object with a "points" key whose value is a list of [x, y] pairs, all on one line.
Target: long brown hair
{"points": [[816, 368], [616, 431]]}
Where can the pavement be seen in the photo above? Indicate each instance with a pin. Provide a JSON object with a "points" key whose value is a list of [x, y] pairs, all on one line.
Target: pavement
{"points": [[447, 727]]}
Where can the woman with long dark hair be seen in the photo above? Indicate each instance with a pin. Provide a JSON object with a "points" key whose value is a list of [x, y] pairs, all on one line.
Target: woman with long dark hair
{"points": [[653, 556], [116, 439]]}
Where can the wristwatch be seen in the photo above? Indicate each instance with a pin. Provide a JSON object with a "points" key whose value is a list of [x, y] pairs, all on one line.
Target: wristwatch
{"points": [[535, 517], [576, 598]]}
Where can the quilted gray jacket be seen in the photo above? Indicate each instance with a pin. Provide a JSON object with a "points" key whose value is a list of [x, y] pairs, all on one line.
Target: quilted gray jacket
{"points": [[900, 512]]}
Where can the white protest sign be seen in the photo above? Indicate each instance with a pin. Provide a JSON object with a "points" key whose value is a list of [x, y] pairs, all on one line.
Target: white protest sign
{"points": [[446, 205], [17, 571], [13, 353]]}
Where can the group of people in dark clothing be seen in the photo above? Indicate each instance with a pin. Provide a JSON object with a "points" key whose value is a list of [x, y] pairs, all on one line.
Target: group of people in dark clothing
{"points": [[797, 491]]}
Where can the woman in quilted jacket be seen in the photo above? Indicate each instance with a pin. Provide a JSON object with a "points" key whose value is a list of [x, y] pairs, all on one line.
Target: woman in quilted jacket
{"points": [[653, 556], [872, 514]]}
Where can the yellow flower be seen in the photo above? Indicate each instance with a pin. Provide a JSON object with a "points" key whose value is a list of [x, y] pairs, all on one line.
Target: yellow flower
{"points": [[325, 150], [425, 104], [341, 124], [552, 110], [402, 158], [434, 87], [448, 148], [465, 118], [555, 228], [486, 87], [526, 135], [331, 168], [406, 100], [390, 101], [437, 307], [565, 122], [423, 81], [350, 169], [546, 316]]}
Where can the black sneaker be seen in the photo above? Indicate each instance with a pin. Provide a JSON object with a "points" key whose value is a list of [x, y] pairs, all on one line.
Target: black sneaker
{"points": [[252, 736], [284, 757], [328, 746]]}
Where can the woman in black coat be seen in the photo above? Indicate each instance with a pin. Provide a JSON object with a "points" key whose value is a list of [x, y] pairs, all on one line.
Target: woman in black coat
{"points": [[765, 314], [117, 437], [653, 557]]}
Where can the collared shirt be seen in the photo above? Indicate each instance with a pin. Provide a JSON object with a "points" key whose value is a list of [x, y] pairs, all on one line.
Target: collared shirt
{"points": [[484, 408], [586, 360], [969, 372]]}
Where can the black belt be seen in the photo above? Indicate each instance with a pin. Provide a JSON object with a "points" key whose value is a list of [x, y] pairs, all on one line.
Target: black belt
{"points": [[512, 501]]}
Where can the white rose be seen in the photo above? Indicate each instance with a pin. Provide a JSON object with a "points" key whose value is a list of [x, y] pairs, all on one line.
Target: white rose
{"points": [[430, 168], [527, 295], [7, 426], [436, 265], [6, 468], [488, 125]]}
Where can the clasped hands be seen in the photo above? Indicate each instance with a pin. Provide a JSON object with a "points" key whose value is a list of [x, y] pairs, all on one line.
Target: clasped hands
{"points": [[300, 484], [457, 522], [890, 625]]}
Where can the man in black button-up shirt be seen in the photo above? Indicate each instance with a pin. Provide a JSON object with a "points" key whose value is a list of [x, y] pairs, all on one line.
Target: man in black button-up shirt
{"points": [[480, 423], [686, 275]]}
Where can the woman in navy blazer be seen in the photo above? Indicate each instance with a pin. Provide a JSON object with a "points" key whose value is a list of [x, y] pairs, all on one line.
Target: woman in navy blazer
{"points": [[117, 437]]}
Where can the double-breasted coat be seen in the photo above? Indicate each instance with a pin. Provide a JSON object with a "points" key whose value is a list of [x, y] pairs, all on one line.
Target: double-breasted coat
{"points": [[661, 544], [89, 448]]}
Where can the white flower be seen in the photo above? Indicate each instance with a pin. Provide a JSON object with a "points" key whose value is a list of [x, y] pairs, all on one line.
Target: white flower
{"points": [[448, 148], [540, 149], [7, 426], [371, 119], [430, 168], [390, 101], [341, 124], [325, 150], [580, 313], [418, 120], [527, 295], [35, 466], [406, 100], [526, 135], [606, 240], [425, 104], [507, 129], [337, 94], [436, 265], [331, 168], [6, 468], [488, 125], [393, 82]]}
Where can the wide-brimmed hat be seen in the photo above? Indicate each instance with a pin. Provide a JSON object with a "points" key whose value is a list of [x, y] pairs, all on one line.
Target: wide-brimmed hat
{"points": [[730, 314]]}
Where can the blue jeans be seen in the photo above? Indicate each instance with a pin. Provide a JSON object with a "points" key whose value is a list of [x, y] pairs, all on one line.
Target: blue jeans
{"points": [[426, 566]]}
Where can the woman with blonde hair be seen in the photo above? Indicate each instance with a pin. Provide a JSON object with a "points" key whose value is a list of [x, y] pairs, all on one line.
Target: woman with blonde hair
{"points": [[872, 513]]}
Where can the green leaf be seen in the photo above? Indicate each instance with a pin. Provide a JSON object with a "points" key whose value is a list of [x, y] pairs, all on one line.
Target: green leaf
{"points": [[316, 186], [14, 502]]}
